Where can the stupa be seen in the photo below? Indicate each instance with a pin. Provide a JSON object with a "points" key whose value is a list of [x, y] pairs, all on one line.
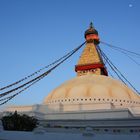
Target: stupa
{"points": [[90, 106], [92, 98], [92, 89]]}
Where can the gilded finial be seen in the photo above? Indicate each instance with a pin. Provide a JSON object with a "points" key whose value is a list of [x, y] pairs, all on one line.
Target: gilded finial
{"points": [[91, 25]]}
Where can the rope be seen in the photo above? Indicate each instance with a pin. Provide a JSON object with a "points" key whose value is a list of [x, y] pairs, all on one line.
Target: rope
{"points": [[112, 46], [116, 70], [36, 72], [127, 56], [11, 97], [111, 66], [35, 80]]}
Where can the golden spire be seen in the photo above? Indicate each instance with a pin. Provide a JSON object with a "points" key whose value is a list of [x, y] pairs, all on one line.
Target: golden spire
{"points": [[90, 61]]}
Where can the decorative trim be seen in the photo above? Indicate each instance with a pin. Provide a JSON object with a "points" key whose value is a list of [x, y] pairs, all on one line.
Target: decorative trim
{"points": [[91, 66]]}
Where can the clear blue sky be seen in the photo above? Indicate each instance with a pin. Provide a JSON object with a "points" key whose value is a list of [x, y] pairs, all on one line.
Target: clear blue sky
{"points": [[33, 33]]}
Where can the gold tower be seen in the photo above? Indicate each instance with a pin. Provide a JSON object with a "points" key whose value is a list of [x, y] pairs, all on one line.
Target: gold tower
{"points": [[90, 61]]}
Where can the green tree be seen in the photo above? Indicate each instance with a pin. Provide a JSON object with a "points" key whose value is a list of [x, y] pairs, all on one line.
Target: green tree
{"points": [[17, 122]]}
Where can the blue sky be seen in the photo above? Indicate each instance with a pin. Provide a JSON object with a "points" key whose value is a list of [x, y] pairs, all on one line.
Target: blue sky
{"points": [[33, 33]]}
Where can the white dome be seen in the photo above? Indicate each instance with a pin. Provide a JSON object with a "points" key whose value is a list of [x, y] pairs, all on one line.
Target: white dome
{"points": [[93, 88]]}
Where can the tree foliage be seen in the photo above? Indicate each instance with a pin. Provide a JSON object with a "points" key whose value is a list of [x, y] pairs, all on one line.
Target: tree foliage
{"points": [[17, 122]]}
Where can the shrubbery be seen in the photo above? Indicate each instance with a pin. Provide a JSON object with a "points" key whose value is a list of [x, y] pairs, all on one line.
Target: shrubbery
{"points": [[17, 122]]}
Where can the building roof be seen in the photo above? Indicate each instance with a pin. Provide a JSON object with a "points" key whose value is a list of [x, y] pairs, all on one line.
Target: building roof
{"points": [[94, 89]]}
